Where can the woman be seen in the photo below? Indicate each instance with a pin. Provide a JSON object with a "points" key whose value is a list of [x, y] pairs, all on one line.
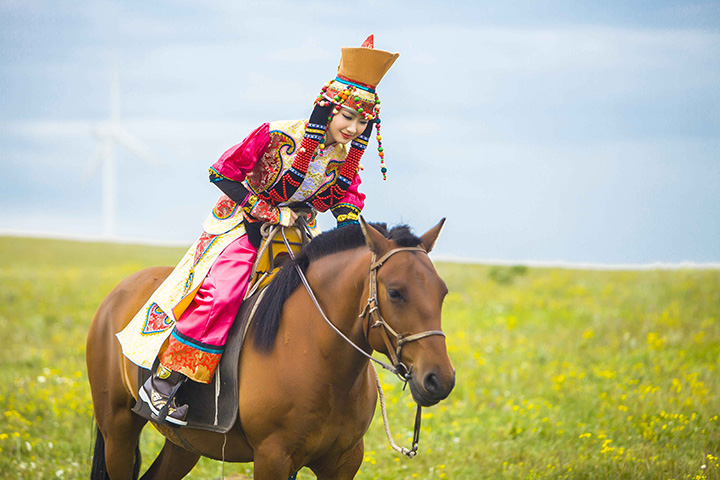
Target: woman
{"points": [[310, 163]]}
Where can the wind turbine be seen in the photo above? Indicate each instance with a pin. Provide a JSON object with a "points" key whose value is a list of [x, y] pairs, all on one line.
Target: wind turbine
{"points": [[111, 133]]}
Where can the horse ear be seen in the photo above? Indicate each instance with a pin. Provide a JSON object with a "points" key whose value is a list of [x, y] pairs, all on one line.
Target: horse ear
{"points": [[431, 236], [374, 239]]}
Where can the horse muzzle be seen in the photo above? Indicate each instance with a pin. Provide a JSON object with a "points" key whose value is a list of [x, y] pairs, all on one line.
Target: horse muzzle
{"points": [[431, 388]]}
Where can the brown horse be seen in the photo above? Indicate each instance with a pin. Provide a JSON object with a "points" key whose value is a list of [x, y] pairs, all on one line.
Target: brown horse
{"points": [[306, 395]]}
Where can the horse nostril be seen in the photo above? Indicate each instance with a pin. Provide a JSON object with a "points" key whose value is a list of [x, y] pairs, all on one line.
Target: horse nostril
{"points": [[431, 383]]}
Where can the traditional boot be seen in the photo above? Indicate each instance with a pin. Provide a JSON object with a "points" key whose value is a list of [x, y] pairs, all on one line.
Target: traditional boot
{"points": [[158, 393]]}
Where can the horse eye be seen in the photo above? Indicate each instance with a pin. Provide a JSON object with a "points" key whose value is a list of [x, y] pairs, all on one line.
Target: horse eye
{"points": [[394, 294]]}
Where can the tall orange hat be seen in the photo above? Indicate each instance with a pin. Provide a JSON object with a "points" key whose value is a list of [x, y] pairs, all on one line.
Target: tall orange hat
{"points": [[360, 71], [365, 65]]}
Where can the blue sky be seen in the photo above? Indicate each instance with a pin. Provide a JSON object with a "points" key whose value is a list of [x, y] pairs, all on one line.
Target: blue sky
{"points": [[573, 131]]}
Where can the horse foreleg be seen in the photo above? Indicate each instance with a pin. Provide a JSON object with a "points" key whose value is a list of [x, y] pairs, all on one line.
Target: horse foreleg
{"points": [[173, 463], [271, 462], [343, 468]]}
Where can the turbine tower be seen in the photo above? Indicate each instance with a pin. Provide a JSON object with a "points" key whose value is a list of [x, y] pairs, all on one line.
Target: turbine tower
{"points": [[111, 133]]}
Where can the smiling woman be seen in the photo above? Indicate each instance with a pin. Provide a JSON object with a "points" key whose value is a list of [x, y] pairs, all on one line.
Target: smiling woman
{"points": [[345, 127], [279, 168]]}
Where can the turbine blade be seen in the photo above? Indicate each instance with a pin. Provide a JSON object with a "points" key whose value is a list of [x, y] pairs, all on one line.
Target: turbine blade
{"points": [[136, 146]]}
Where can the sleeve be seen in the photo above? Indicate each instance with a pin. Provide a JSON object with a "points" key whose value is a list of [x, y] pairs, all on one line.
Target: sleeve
{"points": [[239, 160], [348, 210], [237, 191]]}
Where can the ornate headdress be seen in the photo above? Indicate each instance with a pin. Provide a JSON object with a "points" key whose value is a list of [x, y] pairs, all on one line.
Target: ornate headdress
{"points": [[360, 71]]}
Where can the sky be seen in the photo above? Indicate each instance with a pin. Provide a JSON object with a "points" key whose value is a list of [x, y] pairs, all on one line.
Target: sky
{"points": [[569, 131]]}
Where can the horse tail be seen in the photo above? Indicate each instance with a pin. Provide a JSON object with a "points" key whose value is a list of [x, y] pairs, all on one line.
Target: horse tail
{"points": [[99, 469], [267, 318], [138, 462]]}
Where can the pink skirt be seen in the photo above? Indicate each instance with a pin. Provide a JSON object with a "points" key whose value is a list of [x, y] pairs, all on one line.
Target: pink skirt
{"points": [[198, 339]]}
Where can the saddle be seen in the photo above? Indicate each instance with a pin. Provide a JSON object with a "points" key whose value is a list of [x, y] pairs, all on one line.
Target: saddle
{"points": [[214, 406]]}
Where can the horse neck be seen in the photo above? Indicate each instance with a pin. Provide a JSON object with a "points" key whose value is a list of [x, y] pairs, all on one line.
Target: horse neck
{"points": [[340, 282]]}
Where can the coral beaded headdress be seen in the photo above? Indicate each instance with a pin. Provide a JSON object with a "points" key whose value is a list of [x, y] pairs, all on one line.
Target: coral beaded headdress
{"points": [[360, 71]]}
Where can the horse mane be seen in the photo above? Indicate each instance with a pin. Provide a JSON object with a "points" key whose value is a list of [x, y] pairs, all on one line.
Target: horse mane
{"points": [[267, 317]]}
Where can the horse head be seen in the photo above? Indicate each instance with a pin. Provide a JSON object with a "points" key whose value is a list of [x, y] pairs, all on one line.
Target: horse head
{"points": [[405, 305]]}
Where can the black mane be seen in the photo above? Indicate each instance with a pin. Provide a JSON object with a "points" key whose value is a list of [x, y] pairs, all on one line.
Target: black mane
{"points": [[267, 318]]}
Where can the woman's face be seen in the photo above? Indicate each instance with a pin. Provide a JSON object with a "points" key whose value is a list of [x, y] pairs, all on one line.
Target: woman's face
{"points": [[346, 126]]}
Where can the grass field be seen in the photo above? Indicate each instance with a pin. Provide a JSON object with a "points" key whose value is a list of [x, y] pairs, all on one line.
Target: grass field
{"points": [[560, 373]]}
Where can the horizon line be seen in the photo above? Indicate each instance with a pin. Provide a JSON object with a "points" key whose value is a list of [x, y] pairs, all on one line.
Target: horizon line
{"points": [[564, 264]]}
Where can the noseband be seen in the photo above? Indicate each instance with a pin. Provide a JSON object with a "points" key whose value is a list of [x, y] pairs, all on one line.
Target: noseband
{"points": [[372, 312]]}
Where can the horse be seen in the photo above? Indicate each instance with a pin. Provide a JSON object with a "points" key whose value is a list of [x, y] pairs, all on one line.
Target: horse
{"points": [[306, 396]]}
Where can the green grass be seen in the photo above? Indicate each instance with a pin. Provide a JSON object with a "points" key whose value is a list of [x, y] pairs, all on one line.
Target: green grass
{"points": [[560, 373]]}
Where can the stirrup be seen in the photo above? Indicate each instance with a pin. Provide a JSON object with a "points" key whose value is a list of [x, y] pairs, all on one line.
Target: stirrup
{"points": [[158, 393], [168, 411]]}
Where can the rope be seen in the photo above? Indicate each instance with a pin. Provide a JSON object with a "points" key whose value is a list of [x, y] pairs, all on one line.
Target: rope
{"points": [[217, 395], [223, 455], [381, 395]]}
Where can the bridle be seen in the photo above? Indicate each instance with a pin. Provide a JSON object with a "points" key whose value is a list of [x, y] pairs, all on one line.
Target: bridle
{"points": [[372, 312]]}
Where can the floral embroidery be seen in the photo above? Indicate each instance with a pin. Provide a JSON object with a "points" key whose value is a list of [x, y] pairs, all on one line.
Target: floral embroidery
{"points": [[203, 245], [197, 364], [224, 208], [280, 151], [263, 211], [156, 321]]}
